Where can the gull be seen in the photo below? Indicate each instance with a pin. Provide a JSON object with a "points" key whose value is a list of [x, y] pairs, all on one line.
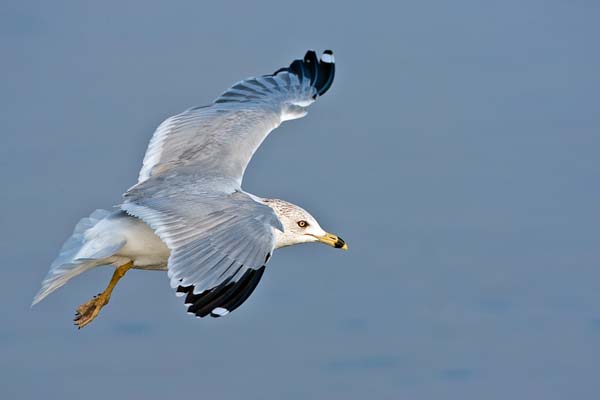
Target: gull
{"points": [[188, 214]]}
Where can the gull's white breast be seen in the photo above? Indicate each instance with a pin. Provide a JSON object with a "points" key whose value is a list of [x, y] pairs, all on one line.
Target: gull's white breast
{"points": [[142, 245]]}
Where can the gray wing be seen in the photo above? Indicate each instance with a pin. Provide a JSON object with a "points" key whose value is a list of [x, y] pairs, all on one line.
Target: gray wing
{"points": [[216, 236], [220, 139]]}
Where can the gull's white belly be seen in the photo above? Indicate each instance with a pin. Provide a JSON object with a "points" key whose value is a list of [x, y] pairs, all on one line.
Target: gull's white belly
{"points": [[142, 246]]}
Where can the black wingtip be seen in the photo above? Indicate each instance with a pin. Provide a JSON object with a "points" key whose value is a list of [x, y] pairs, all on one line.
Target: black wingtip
{"points": [[311, 62], [320, 72], [223, 299], [326, 72]]}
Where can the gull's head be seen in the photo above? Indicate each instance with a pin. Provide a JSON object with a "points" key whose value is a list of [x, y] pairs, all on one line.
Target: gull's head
{"points": [[300, 227]]}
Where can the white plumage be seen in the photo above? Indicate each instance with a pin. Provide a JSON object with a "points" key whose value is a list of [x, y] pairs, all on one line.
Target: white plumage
{"points": [[188, 213]]}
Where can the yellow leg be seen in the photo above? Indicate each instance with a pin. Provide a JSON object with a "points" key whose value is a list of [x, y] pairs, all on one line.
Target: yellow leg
{"points": [[89, 310]]}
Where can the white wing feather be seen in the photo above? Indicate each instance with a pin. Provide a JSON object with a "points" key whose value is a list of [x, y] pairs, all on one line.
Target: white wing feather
{"points": [[214, 235], [220, 139], [189, 188]]}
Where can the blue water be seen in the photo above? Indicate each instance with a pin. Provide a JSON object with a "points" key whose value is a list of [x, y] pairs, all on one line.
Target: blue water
{"points": [[457, 154]]}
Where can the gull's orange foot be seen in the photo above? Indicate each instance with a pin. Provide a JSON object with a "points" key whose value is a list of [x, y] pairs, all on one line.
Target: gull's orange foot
{"points": [[89, 310]]}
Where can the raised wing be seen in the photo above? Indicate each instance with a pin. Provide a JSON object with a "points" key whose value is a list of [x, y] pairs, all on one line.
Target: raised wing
{"points": [[220, 139], [219, 238]]}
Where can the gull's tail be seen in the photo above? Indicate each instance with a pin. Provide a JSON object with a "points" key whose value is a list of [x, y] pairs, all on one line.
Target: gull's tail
{"points": [[82, 251]]}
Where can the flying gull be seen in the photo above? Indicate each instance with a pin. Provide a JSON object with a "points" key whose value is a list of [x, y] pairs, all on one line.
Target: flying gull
{"points": [[188, 214]]}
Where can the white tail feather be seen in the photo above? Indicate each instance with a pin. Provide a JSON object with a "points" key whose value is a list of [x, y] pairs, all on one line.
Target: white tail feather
{"points": [[71, 262]]}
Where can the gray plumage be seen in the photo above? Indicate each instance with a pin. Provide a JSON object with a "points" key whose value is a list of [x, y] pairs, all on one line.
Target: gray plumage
{"points": [[189, 188], [219, 140], [188, 213], [214, 231]]}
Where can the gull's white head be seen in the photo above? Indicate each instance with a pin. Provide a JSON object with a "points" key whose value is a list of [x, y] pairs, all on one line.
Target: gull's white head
{"points": [[300, 227]]}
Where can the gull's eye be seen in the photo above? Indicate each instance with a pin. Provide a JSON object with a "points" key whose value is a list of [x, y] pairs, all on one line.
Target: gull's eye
{"points": [[302, 224]]}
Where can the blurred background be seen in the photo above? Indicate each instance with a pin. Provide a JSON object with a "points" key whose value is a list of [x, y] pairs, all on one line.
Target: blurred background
{"points": [[457, 154]]}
